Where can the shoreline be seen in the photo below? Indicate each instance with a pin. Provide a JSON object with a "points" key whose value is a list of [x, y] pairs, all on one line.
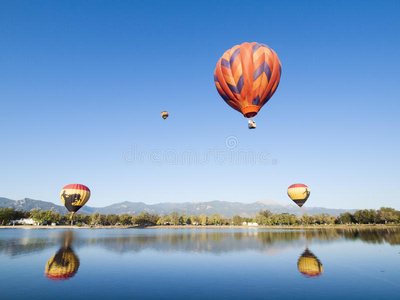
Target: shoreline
{"points": [[276, 227]]}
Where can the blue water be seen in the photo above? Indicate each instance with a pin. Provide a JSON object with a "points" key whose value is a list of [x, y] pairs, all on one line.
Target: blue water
{"points": [[200, 264]]}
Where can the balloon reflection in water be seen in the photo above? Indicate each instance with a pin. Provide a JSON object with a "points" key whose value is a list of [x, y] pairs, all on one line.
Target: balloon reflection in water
{"points": [[309, 264], [64, 264]]}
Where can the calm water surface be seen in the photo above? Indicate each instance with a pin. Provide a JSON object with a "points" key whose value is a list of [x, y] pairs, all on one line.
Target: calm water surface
{"points": [[199, 264]]}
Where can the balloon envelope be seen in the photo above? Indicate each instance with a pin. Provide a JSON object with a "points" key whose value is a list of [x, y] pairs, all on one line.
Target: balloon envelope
{"points": [[63, 265], [299, 193], [74, 196], [164, 114], [247, 76], [309, 264]]}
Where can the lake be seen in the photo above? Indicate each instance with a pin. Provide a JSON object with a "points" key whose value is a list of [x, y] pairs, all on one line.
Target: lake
{"points": [[199, 264]]}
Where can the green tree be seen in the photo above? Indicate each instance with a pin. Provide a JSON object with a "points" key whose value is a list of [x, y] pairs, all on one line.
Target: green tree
{"points": [[8, 214], [145, 219], [237, 220], [203, 219], [94, 218], [387, 214], [174, 218], [215, 219], [247, 220], [225, 221], [166, 219], [260, 219], [346, 218], [112, 219], [321, 219], [98, 219], [77, 218], [54, 217], [266, 213], [306, 219], [284, 219], [273, 220], [153, 219], [37, 215], [333, 220], [183, 219], [125, 219], [365, 216], [294, 220], [195, 220]]}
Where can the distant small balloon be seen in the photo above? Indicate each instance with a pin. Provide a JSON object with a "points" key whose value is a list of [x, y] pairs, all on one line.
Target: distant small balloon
{"points": [[164, 114], [299, 193]]}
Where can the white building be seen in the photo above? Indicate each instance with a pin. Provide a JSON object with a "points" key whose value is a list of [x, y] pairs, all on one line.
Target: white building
{"points": [[23, 222], [250, 224]]}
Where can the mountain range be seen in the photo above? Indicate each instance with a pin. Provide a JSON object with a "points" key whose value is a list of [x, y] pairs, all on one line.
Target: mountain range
{"points": [[224, 208]]}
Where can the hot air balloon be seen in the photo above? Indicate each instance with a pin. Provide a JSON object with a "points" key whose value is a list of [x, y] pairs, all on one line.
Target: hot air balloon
{"points": [[164, 114], [299, 193], [64, 264], [74, 196], [309, 265], [247, 76]]}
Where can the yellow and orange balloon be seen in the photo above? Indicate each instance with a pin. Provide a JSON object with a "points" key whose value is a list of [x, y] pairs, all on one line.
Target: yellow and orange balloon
{"points": [[299, 193], [65, 263], [309, 265], [247, 76], [164, 114], [74, 196]]}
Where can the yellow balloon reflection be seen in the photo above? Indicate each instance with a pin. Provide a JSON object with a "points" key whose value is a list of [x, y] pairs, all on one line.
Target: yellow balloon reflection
{"points": [[309, 265], [64, 264]]}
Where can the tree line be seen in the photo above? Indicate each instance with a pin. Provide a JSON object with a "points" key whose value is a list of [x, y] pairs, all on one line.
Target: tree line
{"points": [[384, 215]]}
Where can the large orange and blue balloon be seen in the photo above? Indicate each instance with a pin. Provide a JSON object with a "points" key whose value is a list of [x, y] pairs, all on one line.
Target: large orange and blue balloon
{"points": [[74, 196], [247, 76], [299, 193]]}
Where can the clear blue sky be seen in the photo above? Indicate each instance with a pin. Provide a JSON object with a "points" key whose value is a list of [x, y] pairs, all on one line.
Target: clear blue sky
{"points": [[82, 85]]}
